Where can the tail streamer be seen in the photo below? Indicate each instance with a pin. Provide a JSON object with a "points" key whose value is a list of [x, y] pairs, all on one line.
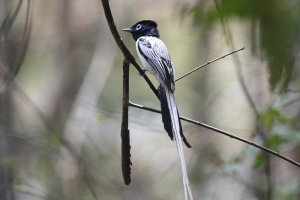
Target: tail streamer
{"points": [[173, 127]]}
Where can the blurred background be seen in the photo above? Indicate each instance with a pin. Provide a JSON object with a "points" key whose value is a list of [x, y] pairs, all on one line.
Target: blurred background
{"points": [[61, 100]]}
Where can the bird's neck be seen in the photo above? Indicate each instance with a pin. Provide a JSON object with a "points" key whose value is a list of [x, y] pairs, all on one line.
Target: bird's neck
{"points": [[153, 32]]}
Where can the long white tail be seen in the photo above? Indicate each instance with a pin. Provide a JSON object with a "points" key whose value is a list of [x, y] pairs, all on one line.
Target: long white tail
{"points": [[173, 127]]}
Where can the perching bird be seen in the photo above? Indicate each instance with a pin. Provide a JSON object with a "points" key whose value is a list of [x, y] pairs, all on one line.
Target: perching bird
{"points": [[155, 57]]}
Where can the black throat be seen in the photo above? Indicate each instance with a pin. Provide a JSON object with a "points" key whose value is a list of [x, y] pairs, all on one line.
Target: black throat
{"points": [[149, 32]]}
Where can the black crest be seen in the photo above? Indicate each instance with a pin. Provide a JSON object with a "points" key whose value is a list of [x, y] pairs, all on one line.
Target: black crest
{"points": [[143, 28]]}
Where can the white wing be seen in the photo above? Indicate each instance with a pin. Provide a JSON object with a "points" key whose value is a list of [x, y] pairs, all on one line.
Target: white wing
{"points": [[157, 57]]}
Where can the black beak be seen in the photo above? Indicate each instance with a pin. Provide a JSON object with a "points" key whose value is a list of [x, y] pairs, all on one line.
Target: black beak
{"points": [[128, 30]]}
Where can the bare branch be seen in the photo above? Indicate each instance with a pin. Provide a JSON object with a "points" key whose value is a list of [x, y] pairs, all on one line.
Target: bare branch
{"points": [[127, 54], [265, 149], [208, 63]]}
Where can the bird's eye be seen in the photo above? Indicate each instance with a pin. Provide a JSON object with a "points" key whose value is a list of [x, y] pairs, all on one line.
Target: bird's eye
{"points": [[138, 27]]}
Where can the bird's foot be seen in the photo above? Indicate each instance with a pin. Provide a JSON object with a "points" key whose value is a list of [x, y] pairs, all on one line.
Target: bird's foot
{"points": [[143, 72]]}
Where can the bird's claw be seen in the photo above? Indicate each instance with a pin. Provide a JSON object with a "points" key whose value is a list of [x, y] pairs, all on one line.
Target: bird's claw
{"points": [[142, 73]]}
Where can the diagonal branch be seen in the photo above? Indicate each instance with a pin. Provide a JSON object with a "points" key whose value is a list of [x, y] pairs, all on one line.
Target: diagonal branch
{"points": [[265, 149]]}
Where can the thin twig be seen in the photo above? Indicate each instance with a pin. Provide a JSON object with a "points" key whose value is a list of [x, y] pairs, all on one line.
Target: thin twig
{"points": [[265, 149], [209, 62]]}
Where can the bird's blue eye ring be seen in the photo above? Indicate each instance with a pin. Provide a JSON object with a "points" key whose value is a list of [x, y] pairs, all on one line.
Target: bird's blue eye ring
{"points": [[138, 27]]}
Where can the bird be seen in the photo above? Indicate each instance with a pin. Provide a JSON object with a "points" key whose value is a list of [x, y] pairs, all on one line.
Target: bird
{"points": [[156, 59]]}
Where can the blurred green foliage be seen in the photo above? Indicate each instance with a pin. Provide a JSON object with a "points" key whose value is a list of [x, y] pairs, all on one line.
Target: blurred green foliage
{"points": [[271, 115], [9, 163], [273, 35], [278, 25]]}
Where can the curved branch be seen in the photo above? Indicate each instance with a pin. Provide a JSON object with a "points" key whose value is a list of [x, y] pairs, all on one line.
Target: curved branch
{"points": [[121, 45], [265, 149]]}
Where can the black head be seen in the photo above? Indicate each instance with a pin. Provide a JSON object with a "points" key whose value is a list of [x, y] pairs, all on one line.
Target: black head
{"points": [[143, 28]]}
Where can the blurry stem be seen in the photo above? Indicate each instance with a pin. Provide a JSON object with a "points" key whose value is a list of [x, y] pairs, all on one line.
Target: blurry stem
{"points": [[17, 60], [34, 191], [268, 176], [25, 38], [32, 105], [291, 102], [87, 177], [208, 63], [126, 162], [9, 20], [265, 149], [7, 174], [239, 177]]}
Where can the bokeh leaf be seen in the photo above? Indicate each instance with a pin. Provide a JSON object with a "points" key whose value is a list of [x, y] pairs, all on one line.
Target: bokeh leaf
{"points": [[278, 22], [275, 141], [260, 160]]}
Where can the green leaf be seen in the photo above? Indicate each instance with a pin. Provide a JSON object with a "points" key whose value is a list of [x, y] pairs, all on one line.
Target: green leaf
{"points": [[259, 160], [267, 118], [55, 139], [272, 115], [275, 141]]}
